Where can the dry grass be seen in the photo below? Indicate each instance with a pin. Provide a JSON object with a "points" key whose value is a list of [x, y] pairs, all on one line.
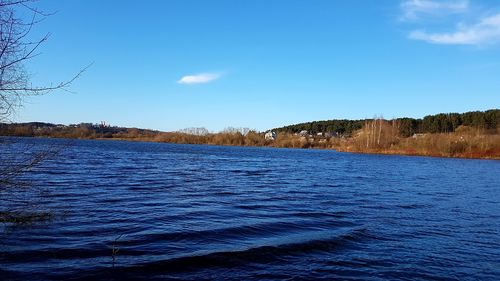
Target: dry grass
{"points": [[466, 142], [381, 137], [376, 136]]}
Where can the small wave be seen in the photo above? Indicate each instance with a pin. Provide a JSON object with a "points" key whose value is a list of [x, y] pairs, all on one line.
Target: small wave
{"points": [[326, 185], [317, 215], [413, 206], [93, 251], [230, 259], [252, 172], [237, 232]]}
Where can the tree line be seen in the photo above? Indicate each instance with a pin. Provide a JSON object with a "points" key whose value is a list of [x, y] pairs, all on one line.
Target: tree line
{"points": [[82, 130], [488, 120]]}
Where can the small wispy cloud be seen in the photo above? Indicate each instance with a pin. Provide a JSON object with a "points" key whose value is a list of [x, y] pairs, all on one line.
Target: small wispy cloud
{"points": [[486, 31], [414, 9], [200, 78]]}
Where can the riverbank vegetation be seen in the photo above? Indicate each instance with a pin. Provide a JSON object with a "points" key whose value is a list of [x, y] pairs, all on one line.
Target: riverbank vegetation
{"points": [[469, 135], [381, 136]]}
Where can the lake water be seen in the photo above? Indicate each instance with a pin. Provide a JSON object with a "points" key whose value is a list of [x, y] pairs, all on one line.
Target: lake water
{"points": [[195, 212]]}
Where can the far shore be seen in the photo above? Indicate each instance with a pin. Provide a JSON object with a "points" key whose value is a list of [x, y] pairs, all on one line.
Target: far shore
{"points": [[341, 148], [474, 135]]}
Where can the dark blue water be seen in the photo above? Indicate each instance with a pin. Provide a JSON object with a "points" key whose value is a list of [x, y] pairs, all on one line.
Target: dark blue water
{"points": [[208, 212]]}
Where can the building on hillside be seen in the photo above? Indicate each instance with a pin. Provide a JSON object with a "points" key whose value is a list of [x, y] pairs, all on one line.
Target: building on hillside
{"points": [[103, 124], [417, 136], [270, 135]]}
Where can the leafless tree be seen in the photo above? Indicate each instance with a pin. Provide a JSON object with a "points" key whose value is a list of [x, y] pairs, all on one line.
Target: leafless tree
{"points": [[240, 130], [195, 131], [18, 18], [16, 49]]}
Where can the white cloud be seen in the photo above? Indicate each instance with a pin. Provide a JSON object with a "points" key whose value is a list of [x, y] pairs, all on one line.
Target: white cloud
{"points": [[413, 9], [486, 31], [198, 78]]}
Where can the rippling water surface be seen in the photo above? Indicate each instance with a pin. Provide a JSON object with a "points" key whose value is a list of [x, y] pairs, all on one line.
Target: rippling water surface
{"points": [[208, 212]]}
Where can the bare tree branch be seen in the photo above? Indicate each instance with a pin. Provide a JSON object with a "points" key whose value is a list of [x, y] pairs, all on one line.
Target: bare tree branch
{"points": [[17, 49]]}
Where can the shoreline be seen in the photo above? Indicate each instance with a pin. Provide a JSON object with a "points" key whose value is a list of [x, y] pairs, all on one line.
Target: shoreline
{"points": [[338, 149]]}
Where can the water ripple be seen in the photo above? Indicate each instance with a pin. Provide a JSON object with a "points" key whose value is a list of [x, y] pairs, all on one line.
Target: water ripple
{"points": [[183, 212]]}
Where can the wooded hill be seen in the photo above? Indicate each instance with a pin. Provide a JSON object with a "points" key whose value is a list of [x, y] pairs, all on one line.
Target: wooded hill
{"points": [[439, 123]]}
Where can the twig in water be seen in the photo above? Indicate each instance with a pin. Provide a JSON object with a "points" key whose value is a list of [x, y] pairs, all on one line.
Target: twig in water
{"points": [[115, 249]]}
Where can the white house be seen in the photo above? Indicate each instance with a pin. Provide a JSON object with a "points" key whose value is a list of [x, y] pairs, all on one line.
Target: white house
{"points": [[270, 135]]}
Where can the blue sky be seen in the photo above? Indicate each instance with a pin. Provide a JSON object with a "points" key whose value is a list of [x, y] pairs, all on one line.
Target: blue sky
{"points": [[260, 64]]}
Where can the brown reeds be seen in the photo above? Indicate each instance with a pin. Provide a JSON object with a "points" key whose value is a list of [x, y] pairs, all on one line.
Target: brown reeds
{"points": [[376, 136]]}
